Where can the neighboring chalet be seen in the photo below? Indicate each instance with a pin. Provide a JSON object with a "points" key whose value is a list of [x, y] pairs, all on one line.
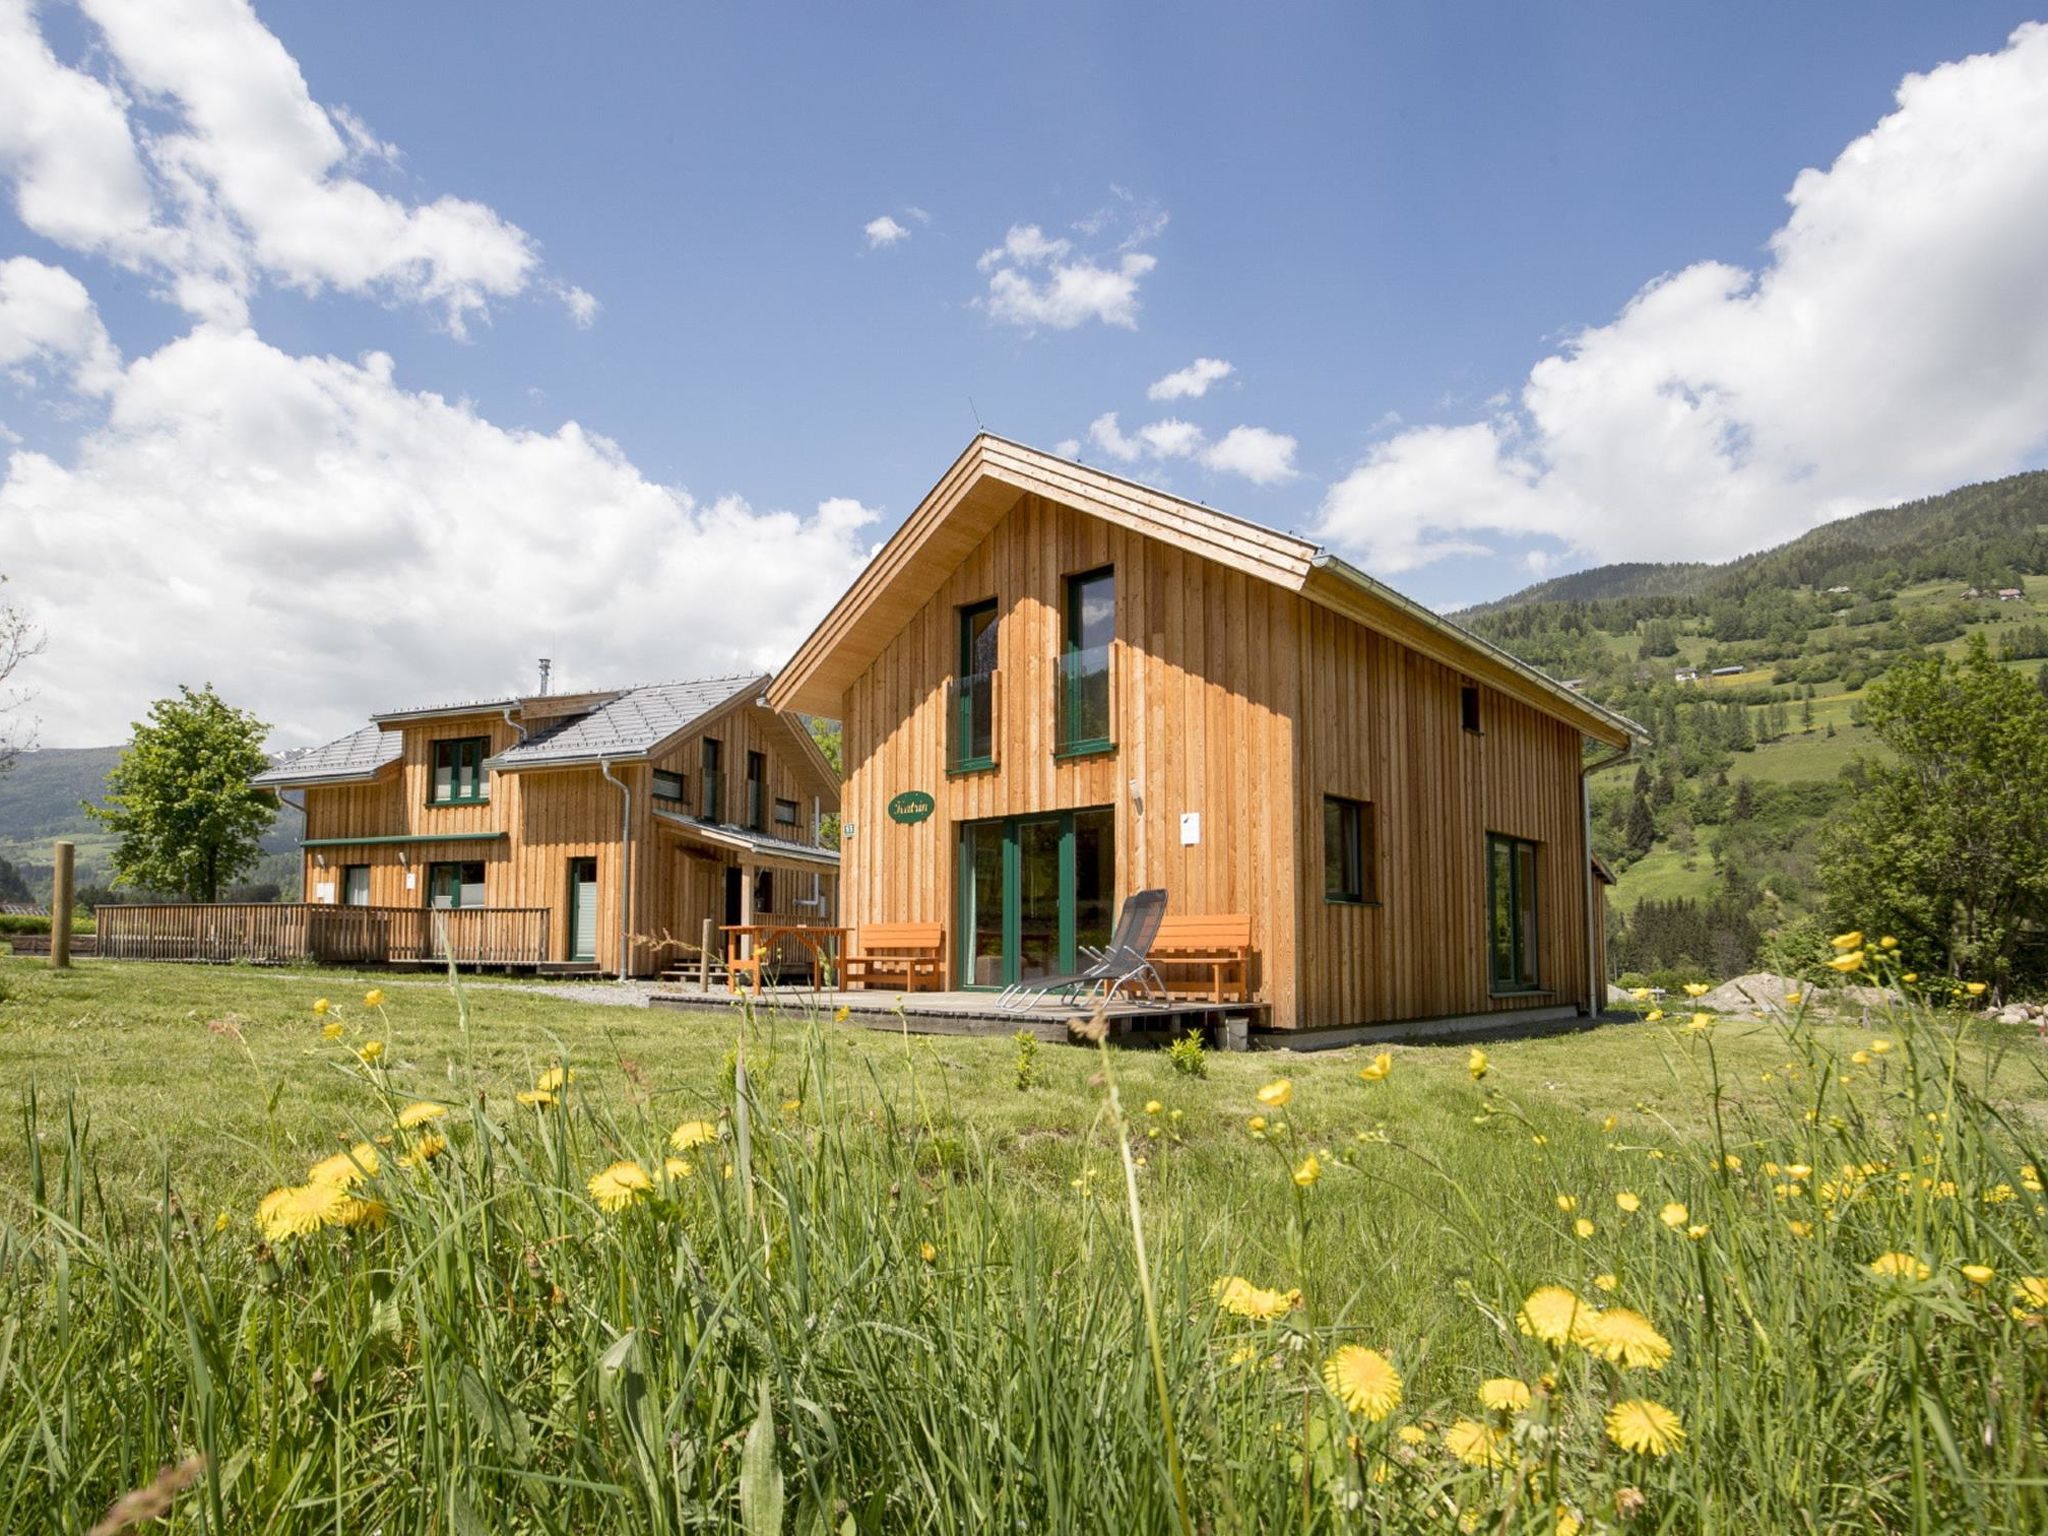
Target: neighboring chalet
{"points": [[1058, 687], [613, 823]]}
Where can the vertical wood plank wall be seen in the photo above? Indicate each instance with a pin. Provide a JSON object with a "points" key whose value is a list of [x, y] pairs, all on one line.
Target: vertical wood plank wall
{"points": [[551, 816], [1203, 666], [1247, 704]]}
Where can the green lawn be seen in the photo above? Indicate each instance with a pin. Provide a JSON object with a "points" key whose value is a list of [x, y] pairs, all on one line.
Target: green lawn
{"points": [[1661, 875], [909, 1288]]}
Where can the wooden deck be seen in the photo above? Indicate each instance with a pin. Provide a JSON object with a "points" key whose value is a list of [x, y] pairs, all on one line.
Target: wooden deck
{"points": [[976, 1013]]}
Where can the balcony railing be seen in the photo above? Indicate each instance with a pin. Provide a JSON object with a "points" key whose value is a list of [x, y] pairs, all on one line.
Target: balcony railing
{"points": [[971, 723], [276, 933], [1086, 720]]}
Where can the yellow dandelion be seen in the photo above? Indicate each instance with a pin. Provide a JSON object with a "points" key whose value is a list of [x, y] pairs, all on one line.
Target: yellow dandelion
{"points": [[1879, 1047], [554, 1080], [1153, 1106], [347, 1169], [1238, 1296], [1476, 1444], [1505, 1394], [1364, 1381], [691, 1134], [355, 1212], [1309, 1170], [1554, 1315], [841, 1014], [1567, 1203], [1979, 1274], [1974, 988], [1277, 1094], [423, 1151], [1256, 1124], [321, 1005], [1910, 977], [534, 1097], [1674, 1215], [1799, 1228], [2031, 1290], [1653, 1016], [791, 1106], [298, 1210], [677, 1168], [1628, 1202], [374, 998], [1622, 1337], [1606, 1282], [1640, 994], [1376, 1069], [1853, 961], [1699, 1023], [1583, 1227], [1607, 1126], [1793, 999], [1887, 942], [330, 1030], [418, 1114], [1859, 1058], [1476, 1064], [1644, 1427], [372, 1051], [1696, 989], [1696, 1231], [1898, 1266], [929, 1252], [618, 1186], [222, 1222], [1852, 940], [1411, 1434], [1244, 1354]]}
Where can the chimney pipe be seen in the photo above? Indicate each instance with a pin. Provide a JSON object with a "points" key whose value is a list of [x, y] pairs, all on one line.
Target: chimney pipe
{"points": [[546, 666]]}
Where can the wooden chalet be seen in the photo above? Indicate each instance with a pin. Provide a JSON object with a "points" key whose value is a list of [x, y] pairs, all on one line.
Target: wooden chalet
{"points": [[1058, 687], [592, 831]]}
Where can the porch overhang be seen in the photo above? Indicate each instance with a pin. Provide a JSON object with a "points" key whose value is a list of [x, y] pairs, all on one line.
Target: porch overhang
{"points": [[752, 847]]}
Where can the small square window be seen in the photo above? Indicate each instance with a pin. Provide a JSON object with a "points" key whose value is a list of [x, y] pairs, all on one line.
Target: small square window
{"points": [[785, 813], [670, 786], [1350, 874], [459, 774]]}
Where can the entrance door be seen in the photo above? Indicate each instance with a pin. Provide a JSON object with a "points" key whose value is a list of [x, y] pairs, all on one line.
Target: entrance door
{"points": [[1033, 890], [733, 877], [583, 910]]}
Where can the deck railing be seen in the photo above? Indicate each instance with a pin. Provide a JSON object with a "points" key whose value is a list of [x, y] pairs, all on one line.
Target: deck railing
{"points": [[276, 933]]}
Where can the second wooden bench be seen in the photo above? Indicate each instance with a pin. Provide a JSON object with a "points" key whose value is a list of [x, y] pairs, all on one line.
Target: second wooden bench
{"points": [[1220, 947]]}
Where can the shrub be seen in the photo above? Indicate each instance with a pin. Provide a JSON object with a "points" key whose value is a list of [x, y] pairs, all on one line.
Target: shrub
{"points": [[1188, 1056], [1025, 1062]]}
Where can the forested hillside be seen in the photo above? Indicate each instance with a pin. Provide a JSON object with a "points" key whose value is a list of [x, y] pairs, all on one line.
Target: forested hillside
{"points": [[1749, 678]]}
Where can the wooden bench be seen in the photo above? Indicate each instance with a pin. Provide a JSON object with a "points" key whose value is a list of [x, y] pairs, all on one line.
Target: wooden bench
{"points": [[1221, 947], [910, 955]]}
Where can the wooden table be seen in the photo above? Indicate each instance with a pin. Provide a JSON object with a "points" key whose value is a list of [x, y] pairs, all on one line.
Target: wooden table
{"points": [[813, 936]]}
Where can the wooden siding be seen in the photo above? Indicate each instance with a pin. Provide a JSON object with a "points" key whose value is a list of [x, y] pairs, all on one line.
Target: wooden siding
{"points": [[1383, 724], [550, 816], [1204, 674]]}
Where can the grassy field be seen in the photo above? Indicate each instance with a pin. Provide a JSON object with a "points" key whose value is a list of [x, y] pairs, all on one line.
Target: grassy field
{"points": [[896, 1291]]}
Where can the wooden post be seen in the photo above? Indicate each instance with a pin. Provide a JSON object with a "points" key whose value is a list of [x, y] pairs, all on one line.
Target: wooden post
{"points": [[704, 959], [62, 898]]}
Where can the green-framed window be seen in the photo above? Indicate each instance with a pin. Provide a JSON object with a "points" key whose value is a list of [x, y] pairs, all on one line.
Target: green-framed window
{"points": [[714, 779], [355, 885], [455, 885], [1512, 918], [1350, 874], [757, 791], [459, 774], [971, 696], [1089, 625]]}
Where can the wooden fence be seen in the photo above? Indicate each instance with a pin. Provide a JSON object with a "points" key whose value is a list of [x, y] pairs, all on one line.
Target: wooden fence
{"points": [[277, 933]]}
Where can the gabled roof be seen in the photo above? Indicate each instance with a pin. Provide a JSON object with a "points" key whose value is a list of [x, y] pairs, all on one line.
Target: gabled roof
{"points": [[632, 725], [985, 482], [432, 711], [355, 759]]}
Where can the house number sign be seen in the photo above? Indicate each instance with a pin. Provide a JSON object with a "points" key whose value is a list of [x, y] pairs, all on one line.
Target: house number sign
{"points": [[911, 807]]}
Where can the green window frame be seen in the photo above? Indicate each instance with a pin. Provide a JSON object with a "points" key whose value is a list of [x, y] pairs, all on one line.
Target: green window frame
{"points": [[1513, 919], [1350, 852], [455, 885], [713, 808], [1084, 727], [971, 701], [757, 791], [355, 882], [460, 777]]}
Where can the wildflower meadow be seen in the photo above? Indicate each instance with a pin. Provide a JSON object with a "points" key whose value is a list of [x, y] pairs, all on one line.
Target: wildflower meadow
{"points": [[834, 1281]]}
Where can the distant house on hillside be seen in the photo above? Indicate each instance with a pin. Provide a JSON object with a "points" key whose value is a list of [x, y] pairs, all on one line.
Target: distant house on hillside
{"points": [[1972, 593], [591, 831], [2011, 594], [22, 909], [1838, 591], [1576, 684], [1686, 675], [1730, 671]]}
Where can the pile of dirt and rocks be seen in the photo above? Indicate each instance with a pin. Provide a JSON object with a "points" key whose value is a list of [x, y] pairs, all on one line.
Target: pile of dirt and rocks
{"points": [[2035, 1014]]}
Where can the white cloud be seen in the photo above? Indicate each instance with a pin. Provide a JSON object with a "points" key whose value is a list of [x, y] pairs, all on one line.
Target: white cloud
{"points": [[47, 318], [1067, 447], [320, 542], [202, 160], [883, 231], [1104, 434], [1191, 382], [1171, 438], [1262, 457], [1893, 344], [582, 306], [1039, 280]]}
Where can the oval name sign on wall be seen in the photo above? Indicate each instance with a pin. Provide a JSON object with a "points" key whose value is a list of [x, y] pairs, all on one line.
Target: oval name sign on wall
{"points": [[911, 807]]}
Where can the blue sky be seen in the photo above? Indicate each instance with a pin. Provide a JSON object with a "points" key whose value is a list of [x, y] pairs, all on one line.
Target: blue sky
{"points": [[1382, 217]]}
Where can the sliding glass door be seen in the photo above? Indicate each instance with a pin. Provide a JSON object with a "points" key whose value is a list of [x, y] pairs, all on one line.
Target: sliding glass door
{"points": [[1033, 891]]}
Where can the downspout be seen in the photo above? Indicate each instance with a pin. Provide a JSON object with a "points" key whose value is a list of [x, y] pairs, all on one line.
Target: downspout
{"points": [[301, 809], [514, 723], [604, 766], [1596, 963]]}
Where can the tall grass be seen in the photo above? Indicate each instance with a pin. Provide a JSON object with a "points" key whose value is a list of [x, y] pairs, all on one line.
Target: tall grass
{"points": [[851, 1314]]}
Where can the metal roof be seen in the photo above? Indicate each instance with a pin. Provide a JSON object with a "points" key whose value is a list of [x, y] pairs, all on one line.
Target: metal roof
{"points": [[468, 707], [759, 844], [629, 726], [358, 756]]}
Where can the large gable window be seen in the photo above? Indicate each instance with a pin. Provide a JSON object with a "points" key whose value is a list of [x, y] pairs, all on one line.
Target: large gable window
{"points": [[459, 774], [1084, 697]]}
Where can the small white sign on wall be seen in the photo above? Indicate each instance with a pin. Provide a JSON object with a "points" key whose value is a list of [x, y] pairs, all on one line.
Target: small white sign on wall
{"points": [[1190, 828], [324, 891], [410, 877]]}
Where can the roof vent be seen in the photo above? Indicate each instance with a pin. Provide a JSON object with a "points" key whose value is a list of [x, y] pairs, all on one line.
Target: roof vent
{"points": [[546, 666]]}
